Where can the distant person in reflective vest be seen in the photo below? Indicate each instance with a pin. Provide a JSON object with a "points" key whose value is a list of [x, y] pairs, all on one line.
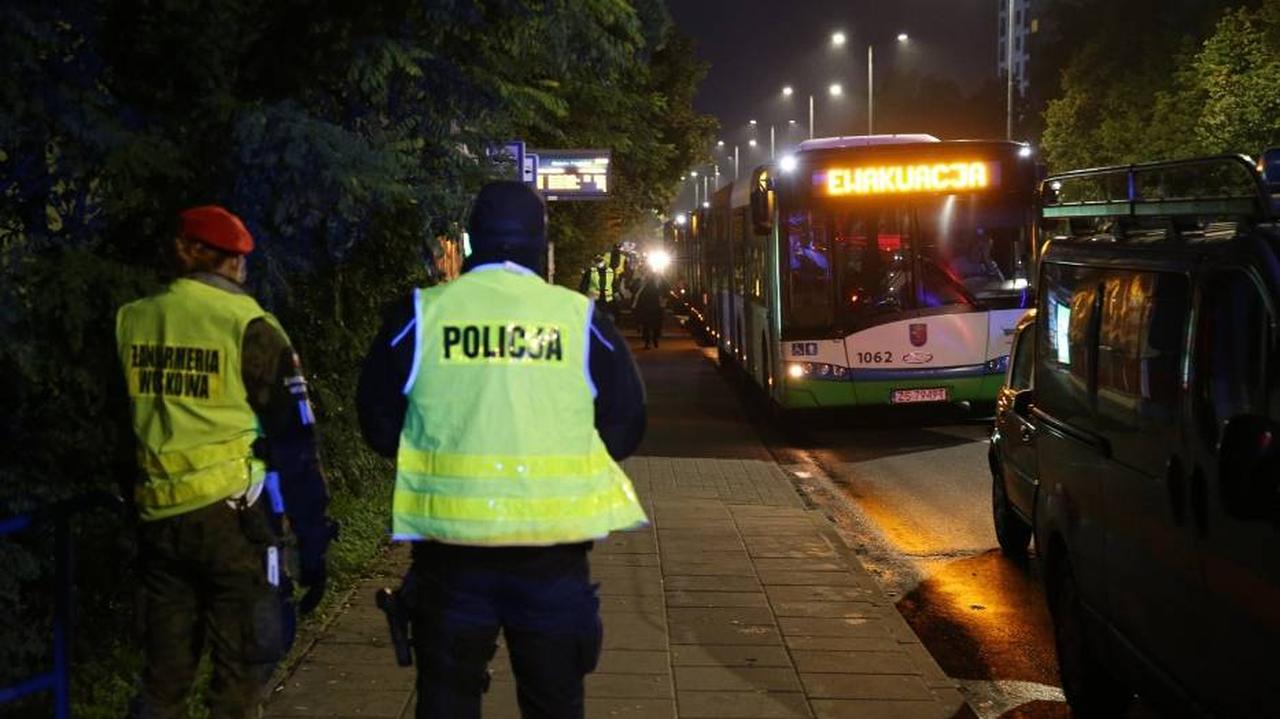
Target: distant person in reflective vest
{"points": [[506, 402], [227, 449], [598, 283]]}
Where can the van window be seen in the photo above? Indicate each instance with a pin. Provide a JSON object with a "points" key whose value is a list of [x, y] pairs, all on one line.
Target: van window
{"points": [[1065, 353], [1140, 344], [1020, 370], [1234, 336]]}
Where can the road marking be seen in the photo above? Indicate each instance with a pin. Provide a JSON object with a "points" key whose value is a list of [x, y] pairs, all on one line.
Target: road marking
{"points": [[991, 699]]}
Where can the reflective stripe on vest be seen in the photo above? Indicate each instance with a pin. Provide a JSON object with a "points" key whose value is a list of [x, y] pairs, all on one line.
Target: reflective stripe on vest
{"points": [[180, 352], [499, 445]]}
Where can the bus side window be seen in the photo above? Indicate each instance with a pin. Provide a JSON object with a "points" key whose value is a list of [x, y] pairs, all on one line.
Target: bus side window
{"points": [[809, 270], [1234, 338]]}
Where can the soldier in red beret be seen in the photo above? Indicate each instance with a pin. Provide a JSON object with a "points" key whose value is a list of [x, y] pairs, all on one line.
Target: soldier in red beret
{"points": [[229, 468]]}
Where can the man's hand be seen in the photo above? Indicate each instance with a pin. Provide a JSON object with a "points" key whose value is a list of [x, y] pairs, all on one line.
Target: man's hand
{"points": [[313, 547]]}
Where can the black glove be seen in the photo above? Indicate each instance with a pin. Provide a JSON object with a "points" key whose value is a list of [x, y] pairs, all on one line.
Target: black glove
{"points": [[313, 545]]}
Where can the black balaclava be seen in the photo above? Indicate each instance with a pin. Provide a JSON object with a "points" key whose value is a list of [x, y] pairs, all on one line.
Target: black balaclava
{"points": [[508, 224]]}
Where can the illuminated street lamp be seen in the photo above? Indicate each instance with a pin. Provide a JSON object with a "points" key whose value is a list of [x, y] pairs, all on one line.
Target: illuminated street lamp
{"points": [[835, 90], [752, 142], [838, 40]]}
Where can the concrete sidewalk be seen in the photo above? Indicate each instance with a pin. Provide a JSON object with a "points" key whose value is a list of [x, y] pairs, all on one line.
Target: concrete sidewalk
{"points": [[737, 602]]}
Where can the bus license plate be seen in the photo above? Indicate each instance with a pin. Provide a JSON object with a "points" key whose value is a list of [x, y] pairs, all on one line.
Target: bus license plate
{"points": [[904, 396]]}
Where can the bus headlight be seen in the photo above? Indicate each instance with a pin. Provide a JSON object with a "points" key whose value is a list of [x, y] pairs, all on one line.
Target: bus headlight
{"points": [[816, 370]]}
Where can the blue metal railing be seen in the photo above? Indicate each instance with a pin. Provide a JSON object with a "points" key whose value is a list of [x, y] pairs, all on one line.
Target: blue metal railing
{"points": [[56, 680]]}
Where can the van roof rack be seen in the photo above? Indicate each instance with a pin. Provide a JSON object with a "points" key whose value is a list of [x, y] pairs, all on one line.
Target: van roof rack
{"points": [[1219, 186]]}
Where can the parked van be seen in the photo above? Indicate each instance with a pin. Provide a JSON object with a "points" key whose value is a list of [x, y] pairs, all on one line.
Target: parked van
{"points": [[1156, 414]]}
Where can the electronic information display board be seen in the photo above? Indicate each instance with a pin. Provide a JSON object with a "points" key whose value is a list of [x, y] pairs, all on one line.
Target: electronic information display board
{"points": [[565, 175]]}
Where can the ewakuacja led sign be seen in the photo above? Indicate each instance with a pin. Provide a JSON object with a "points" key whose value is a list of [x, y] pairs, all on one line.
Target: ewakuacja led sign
{"points": [[907, 178]]}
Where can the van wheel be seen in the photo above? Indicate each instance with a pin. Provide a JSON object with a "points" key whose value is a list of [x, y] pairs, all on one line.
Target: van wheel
{"points": [[1013, 534], [1090, 689]]}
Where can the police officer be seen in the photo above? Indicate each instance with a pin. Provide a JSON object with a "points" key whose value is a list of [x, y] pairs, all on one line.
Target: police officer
{"points": [[598, 284], [218, 397], [505, 401]]}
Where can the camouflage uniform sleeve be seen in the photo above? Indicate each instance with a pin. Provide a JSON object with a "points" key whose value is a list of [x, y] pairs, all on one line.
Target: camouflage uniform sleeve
{"points": [[277, 391]]}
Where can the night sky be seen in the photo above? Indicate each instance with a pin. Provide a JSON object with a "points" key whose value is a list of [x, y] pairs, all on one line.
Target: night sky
{"points": [[757, 46]]}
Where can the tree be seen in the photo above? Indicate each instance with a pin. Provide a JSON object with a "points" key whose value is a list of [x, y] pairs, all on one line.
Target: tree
{"points": [[349, 136], [1204, 84], [1237, 74]]}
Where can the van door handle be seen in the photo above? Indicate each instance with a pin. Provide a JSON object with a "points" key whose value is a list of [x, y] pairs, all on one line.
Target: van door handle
{"points": [[1176, 485]]}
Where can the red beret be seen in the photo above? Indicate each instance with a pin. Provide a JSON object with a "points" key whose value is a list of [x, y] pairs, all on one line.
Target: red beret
{"points": [[216, 227]]}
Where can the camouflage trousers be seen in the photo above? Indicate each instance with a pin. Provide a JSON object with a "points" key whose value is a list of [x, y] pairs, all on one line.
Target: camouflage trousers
{"points": [[204, 584]]}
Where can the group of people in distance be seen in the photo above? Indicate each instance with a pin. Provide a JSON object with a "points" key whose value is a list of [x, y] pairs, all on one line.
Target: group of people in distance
{"points": [[621, 284]]}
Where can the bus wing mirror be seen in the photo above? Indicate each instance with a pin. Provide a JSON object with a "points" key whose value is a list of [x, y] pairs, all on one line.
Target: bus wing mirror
{"points": [[762, 199], [1249, 467]]}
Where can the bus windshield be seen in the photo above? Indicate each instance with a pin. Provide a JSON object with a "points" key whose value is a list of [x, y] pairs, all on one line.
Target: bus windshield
{"points": [[855, 265]]}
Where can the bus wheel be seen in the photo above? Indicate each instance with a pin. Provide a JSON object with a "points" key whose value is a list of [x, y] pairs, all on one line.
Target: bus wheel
{"points": [[779, 417]]}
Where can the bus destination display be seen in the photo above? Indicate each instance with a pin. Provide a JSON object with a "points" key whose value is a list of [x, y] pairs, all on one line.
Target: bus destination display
{"points": [[866, 180], [573, 174]]}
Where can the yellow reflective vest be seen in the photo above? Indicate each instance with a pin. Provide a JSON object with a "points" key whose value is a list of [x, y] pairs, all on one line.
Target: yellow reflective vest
{"points": [[600, 284], [180, 351], [499, 446]]}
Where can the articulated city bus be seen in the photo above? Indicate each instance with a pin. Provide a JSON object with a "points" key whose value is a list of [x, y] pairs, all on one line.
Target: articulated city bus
{"points": [[867, 270]]}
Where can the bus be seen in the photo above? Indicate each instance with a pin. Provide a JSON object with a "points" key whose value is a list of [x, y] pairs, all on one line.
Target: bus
{"points": [[867, 270]]}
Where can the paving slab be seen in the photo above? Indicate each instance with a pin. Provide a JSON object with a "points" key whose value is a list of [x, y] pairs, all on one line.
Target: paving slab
{"points": [[738, 602], [894, 687], [742, 705], [724, 678], [717, 599], [729, 655], [853, 662]]}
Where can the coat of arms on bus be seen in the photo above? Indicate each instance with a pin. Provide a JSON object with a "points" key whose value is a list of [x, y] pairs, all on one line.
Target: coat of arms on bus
{"points": [[918, 332]]}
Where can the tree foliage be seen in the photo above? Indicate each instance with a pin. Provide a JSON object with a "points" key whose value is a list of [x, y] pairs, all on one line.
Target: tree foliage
{"points": [[1201, 78], [349, 136]]}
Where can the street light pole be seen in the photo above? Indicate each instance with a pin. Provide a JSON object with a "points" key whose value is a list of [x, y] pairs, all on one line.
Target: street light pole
{"points": [[771, 153], [1008, 67], [810, 116], [871, 60], [735, 163]]}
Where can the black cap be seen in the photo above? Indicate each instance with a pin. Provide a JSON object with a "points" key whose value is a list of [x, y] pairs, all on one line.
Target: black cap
{"points": [[508, 222]]}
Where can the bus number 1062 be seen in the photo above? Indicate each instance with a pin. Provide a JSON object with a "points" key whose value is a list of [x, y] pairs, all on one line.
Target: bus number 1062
{"points": [[875, 357]]}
